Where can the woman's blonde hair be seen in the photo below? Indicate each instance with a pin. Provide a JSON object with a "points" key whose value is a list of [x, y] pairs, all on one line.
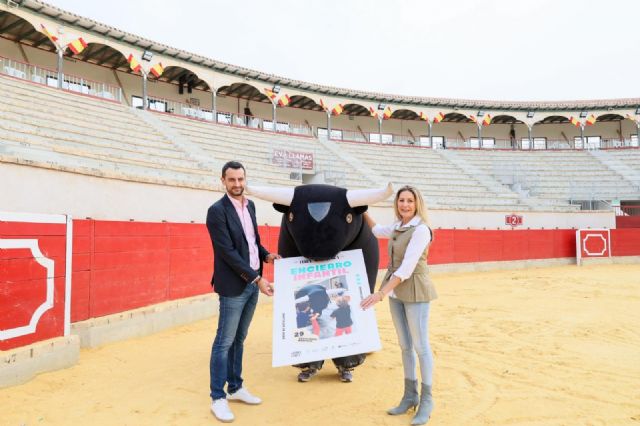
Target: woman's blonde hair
{"points": [[421, 207]]}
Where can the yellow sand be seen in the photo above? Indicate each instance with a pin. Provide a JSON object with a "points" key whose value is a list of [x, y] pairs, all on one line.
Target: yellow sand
{"points": [[554, 346]]}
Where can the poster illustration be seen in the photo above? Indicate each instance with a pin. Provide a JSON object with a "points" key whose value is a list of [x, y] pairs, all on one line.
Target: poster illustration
{"points": [[316, 309]]}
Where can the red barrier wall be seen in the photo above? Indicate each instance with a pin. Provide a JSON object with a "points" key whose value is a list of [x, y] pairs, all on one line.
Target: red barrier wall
{"points": [[23, 281], [627, 222], [118, 266]]}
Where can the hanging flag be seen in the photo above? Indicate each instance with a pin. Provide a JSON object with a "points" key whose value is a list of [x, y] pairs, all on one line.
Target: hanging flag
{"points": [[270, 94], [632, 118], [77, 45], [284, 101], [591, 120], [373, 112], [48, 34], [157, 69], [574, 121], [337, 110], [386, 114], [438, 118], [487, 120], [133, 63], [473, 119], [323, 105], [423, 116]]}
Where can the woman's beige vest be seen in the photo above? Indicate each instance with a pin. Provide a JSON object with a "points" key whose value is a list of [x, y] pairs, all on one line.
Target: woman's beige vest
{"points": [[418, 287]]}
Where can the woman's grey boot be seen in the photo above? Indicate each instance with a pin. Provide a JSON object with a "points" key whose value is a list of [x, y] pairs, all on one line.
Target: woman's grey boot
{"points": [[409, 399], [425, 408]]}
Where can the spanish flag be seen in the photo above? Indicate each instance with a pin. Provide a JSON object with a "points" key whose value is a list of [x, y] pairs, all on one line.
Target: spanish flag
{"points": [[423, 116], [284, 101], [438, 118], [386, 114], [323, 105], [48, 34], [591, 120], [133, 63], [157, 69], [270, 94], [337, 110], [373, 112], [487, 120], [574, 121], [473, 118], [77, 45]]}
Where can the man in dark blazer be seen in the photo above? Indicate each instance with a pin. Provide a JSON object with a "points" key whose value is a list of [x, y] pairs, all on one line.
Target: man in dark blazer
{"points": [[237, 278]]}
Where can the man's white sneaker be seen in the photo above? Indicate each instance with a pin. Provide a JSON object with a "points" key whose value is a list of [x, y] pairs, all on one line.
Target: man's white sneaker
{"points": [[243, 395], [220, 409]]}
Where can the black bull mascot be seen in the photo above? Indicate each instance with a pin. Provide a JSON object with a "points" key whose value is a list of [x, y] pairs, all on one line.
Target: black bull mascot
{"points": [[318, 222]]}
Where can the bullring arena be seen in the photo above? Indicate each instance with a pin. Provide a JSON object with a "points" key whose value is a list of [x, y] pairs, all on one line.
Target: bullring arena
{"points": [[113, 144]]}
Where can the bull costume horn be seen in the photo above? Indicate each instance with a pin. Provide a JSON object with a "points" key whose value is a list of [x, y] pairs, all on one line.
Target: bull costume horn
{"points": [[365, 197], [277, 195]]}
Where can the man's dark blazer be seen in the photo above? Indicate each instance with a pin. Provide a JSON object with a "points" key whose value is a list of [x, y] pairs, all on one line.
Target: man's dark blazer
{"points": [[231, 268]]}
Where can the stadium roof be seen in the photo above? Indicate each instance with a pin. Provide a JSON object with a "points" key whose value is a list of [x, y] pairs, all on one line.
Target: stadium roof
{"points": [[86, 24]]}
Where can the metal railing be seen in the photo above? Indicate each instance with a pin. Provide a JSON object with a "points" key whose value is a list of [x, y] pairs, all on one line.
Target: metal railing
{"points": [[630, 210], [49, 77], [227, 118]]}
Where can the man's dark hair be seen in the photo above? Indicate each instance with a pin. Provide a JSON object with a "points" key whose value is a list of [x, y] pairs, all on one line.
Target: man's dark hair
{"points": [[232, 165]]}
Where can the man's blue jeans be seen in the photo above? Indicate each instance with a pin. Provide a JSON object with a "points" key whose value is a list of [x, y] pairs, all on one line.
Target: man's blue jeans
{"points": [[225, 365]]}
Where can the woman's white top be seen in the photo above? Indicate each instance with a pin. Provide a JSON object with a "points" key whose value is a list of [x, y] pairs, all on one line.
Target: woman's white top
{"points": [[419, 241]]}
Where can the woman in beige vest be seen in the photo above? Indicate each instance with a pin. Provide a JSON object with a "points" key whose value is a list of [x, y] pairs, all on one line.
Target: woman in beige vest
{"points": [[410, 292]]}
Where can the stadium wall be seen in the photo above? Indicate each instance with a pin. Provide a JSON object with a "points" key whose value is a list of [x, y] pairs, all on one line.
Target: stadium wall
{"points": [[47, 191]]}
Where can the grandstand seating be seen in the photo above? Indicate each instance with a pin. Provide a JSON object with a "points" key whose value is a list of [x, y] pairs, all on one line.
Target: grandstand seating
{"points": [[55, 129], [51, 128], [254, 147], [558, 175]]}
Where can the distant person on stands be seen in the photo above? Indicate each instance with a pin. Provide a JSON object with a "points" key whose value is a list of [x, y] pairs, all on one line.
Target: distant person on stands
{"points": [[410, 292], [247, 115], [238, 257]]}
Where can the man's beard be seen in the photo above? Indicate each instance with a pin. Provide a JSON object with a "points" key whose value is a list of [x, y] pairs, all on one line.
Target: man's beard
{"points": [[236, 191]]}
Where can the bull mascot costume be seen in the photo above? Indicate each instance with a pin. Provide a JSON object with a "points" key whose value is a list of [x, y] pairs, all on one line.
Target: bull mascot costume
{"points": [[318, 222]]}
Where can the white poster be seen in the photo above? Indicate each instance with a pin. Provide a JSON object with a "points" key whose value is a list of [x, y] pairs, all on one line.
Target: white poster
{"points": [[316, 309]]}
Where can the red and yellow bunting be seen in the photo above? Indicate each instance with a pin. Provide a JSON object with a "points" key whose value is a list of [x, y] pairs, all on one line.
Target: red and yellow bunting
{"points": [[632, 118], [270, 94], [473, 119], [46, 32], [574, 121], [284, 101], [373, 112], [438, 118], [77, 45], [423, 116], [323, 105], [386, 114], [487, 120], [157, 69], [591, 120], [133, 63], [337, 110]]}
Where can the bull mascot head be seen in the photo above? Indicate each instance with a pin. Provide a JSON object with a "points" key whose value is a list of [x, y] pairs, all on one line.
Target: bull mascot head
{"points": [[319, 221]]}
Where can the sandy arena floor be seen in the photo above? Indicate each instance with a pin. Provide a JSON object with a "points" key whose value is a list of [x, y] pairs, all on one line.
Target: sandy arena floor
{"points": [[554, 346]]}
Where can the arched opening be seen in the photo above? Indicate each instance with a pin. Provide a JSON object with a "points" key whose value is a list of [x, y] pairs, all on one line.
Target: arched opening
{"points": [[456, 117], [304, 102], [184, 78], [243, 91], [553, 119], [356, 110], [405, 114], [17, 29], [505, 119], [102, 55]]}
